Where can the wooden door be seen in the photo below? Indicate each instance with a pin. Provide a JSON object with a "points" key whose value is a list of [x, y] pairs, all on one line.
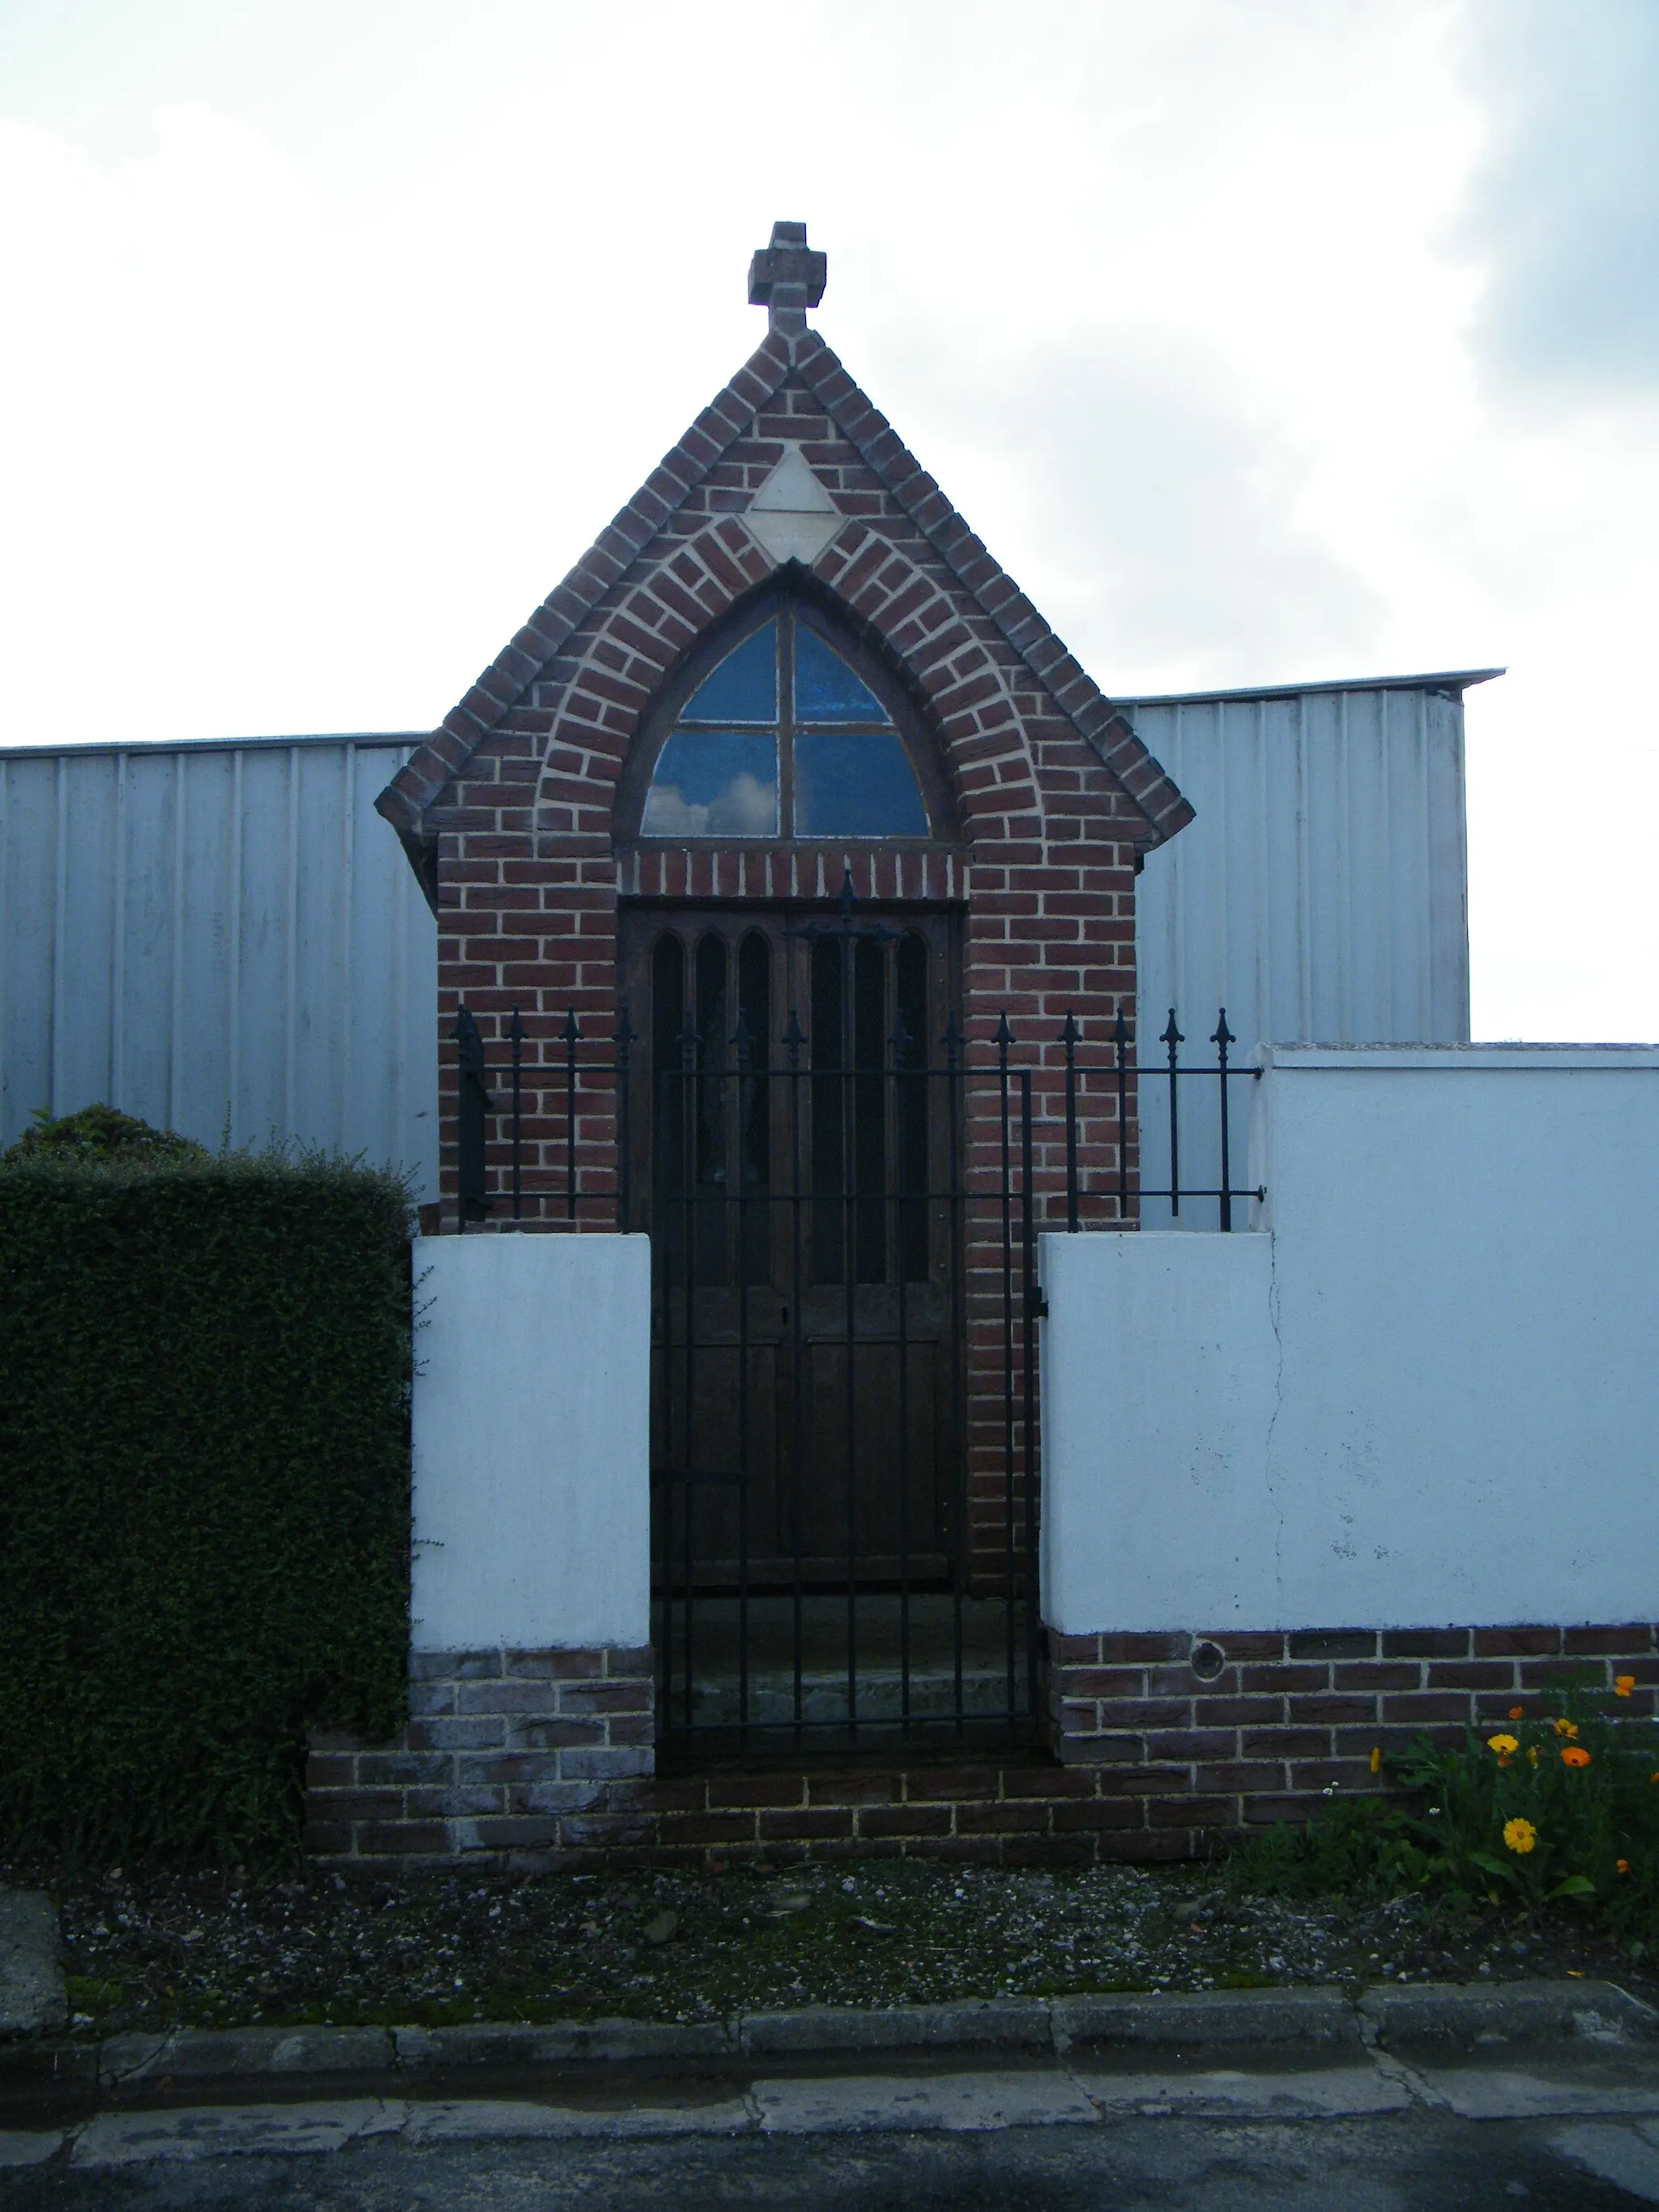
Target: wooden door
{"points": [[798, 1162]]}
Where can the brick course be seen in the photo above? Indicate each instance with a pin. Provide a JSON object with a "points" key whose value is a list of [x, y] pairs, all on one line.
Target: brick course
{"points": [[1288, 1716], [545, 1759], [497, 1745]]}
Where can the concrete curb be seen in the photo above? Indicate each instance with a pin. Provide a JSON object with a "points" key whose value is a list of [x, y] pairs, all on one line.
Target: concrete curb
{"points": [[1446, 2013], [1520, 2012], [30, 1976]]}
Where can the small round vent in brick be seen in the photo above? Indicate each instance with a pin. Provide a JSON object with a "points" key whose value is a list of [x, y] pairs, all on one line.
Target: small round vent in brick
{"points": [[1208, 1660]]}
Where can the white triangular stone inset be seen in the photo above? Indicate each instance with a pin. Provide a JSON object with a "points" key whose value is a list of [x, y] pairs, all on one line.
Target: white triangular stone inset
{"points": [[791, 517]]}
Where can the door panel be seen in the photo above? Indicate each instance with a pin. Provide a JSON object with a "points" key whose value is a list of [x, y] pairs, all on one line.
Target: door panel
{"points": [[795, 1170]]}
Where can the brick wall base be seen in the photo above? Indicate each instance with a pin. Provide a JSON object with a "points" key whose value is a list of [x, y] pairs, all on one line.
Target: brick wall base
{"points": [[1163, 1745], [499, 1748], [1214, 1733]]}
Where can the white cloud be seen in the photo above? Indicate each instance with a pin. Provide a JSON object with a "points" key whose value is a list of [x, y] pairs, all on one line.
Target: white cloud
{"points": [[1563, 207], [1162, 501], [336, 334]]}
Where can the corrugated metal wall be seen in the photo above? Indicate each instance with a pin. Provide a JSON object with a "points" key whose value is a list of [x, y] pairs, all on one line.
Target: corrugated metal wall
{"points": [[228, 934], [218, 936], [1320, 895]]}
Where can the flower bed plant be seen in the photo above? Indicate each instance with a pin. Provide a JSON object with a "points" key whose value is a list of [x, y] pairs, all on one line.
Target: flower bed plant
{"points": [[1560, 1807]]}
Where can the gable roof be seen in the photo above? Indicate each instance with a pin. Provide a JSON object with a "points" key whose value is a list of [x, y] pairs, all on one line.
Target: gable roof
{"points": [[420, 782]]}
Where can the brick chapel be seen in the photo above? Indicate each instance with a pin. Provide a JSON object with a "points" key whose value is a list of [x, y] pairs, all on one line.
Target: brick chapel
{"points": [[774, 860]]}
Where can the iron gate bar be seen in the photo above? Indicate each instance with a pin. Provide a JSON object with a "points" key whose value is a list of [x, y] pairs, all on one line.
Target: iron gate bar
{"points": [[741, 1042], [900, 1043], [572, 1037], [1068, 1037], [1221, 1036], [794, 1038], [1028, 1218], [953, 1063], [682, 1344], [515, 1033], [1172, 1037], [1005, 1037], [1120, 1048]]}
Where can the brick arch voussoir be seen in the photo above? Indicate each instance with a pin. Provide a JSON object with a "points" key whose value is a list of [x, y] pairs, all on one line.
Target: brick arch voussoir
{"points": [[918, 623], [922, 627], [671, 603]]}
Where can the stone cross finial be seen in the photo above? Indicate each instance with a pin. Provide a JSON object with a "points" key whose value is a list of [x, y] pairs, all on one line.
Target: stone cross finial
{"points": [[786, 279]]}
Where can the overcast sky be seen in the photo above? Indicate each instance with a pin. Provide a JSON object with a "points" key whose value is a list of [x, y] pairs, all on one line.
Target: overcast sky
{"points": [[1263, 340]]}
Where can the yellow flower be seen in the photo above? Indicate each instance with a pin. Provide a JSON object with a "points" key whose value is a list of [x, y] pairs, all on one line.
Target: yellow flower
{"points": [[1502, 1745], [1520, 1835], [1574, 1755], [1623, 1685], [1532, 1755], [1564, 1728], [1376, 1757]]}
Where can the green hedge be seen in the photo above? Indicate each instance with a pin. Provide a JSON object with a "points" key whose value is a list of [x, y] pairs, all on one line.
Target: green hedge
{"points": [[204, 1502]]}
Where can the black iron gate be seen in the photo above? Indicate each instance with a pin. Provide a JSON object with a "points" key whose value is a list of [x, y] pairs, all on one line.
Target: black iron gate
{"points": [[843, 1199], [837, 1558]]}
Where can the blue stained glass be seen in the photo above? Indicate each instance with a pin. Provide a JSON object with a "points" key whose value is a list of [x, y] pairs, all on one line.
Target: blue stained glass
{"points": [[744, 687], [826, 690], [714, 783], [855, 783]]}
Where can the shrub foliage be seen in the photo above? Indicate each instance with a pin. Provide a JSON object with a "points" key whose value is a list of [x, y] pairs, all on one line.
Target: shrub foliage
{"points": [[204, 1491]]}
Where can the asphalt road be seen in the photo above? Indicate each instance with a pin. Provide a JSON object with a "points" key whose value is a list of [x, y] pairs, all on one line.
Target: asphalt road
{"points": [[1414, 2161]]}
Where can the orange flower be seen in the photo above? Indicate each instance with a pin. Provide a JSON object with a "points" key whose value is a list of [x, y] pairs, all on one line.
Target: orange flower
{"points": [[1623, 1685], [1515, 1712], [1575, 1755], [1623, 1865], [1564, 1728]]}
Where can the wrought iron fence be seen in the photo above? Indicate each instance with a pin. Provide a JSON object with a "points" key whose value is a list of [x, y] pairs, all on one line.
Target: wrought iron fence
{"points": [[596, 1071], [844, 1332]]}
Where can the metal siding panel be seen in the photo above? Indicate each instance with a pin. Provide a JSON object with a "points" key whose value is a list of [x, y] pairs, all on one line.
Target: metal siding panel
{"points": [[259, 1105], [145, 981], [26, 1043], [1445, 808], [204, 992], [1321, 890], [84, 930], [321, 963], [1319, 894], [207, 933]]}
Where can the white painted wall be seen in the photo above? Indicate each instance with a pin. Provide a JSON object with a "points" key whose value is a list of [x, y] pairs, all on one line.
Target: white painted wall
{"points": [[1422, 1391], [532, 1443]]}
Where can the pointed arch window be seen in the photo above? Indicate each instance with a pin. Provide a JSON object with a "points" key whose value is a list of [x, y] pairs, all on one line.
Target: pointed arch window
{"points": [[786, 737]]}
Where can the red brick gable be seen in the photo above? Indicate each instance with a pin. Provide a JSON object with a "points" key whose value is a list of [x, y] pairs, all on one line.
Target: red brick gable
{"points": [[789, 380]]}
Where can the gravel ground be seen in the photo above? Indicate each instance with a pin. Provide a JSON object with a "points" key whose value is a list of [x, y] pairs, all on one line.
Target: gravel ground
{"points": [[150, 1949]]}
